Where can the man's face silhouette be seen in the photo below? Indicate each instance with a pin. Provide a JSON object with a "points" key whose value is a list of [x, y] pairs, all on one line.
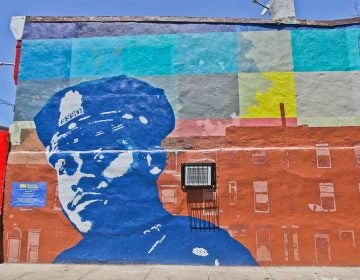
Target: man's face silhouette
{"points": [[104, 137], [84, 179]]}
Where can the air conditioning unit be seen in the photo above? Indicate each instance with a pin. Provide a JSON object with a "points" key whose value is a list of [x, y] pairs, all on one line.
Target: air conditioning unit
{"points": [[198, 176]]}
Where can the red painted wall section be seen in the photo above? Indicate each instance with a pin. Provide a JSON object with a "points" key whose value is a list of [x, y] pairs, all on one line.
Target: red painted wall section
{"points": [[3, 156], [17, 61]]}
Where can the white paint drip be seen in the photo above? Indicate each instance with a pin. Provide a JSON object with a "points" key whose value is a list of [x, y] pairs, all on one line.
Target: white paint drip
{"points": [[127, 116], [84, 118], [156, 227], [201, 252], [148, 158], [120, 126], [105, 120], [102, 185], [72, 126], [155, 170], [108, 112], [156, 243], [143, 120]]}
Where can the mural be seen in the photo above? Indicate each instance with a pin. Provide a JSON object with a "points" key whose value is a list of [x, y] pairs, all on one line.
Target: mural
{"points": [[103, 138], [106, 113]]}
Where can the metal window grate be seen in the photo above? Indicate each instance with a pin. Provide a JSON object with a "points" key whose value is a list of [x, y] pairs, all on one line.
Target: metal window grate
{"points": [[198, 175], [203, 209]]}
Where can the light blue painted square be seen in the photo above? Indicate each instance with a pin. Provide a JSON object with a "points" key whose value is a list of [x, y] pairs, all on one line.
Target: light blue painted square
{"points": [[320, 50], [45, 59], [207, 53]]}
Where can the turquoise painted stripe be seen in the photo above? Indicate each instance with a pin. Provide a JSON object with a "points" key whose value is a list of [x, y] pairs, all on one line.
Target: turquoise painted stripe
{"points": [[325, 50], [203, 53], [208, 53], [45, 59], [353, 47]]}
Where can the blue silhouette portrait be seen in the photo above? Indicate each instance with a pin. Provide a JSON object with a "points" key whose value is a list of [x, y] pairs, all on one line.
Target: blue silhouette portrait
{"points": [[103, 137]]}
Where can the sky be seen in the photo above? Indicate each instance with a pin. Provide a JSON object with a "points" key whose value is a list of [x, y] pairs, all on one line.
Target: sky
{"points": [[305, 9]]}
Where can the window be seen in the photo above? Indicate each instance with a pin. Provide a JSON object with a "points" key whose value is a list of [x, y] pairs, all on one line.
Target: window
{"points": [[258, 157], [232, 192], [33, 245], [327, 197], [323, 157], [238, 230], [263, 243], [291, 236], [14, 245], [347, 235], [261, 197], [171, 162], [322, 247], [198, 175], [168, 194], [209, 156], [357, 156]]}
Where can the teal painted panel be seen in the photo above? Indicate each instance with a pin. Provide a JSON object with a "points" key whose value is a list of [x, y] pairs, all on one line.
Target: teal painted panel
{"points": [[320, 50], [353, 44], [208, 53], [96, 57], [149, 55], [131, 55], [45, 59]]}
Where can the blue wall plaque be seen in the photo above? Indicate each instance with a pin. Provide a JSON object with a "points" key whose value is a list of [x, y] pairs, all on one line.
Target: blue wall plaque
{"points": [[28, 194]]}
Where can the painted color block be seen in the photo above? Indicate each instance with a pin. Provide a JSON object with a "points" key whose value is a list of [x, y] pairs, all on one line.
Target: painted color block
{"points": [[91, 29], [261, 94], [96, 57], [170, 85], [353, 47], [208, 96], [206, 53], [49, 30], [203, 127], [328, 99], [45, 59], [270, 50], [321, 50], [32, 95], [149, 55], [245, 63]]}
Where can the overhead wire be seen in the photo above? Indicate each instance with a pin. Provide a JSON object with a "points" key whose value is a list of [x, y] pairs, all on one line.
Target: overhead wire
{"points": [[4, 102]]}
